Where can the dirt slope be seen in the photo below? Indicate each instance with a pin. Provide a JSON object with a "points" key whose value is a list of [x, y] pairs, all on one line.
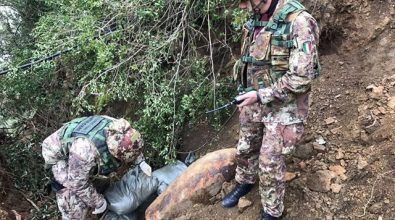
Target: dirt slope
{"points": [[352, 175]]}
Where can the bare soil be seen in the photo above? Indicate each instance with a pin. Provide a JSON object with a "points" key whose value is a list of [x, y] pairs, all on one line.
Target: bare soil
{"points": [[352, 110]]}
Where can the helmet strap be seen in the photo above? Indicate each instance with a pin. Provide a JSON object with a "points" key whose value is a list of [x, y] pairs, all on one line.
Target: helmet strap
{"points": [[272, 7]]}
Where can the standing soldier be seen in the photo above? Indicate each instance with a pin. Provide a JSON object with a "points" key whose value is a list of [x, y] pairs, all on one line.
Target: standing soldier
{"points": [[278, 63], [83, 147]]}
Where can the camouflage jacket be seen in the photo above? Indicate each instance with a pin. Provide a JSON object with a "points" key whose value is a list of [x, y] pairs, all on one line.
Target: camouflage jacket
{"points": [[286, 100], [74, 172]]}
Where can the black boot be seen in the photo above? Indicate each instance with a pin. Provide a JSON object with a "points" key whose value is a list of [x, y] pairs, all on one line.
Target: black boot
{"points": [[266, 216], [232, 198]]}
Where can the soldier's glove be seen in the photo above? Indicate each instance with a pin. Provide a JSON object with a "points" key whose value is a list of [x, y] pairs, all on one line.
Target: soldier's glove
{"points": [[100, 209]]}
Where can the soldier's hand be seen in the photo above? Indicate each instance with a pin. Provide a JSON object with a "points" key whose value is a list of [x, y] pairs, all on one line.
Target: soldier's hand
{"points": [[101, 208], [248, 99]]}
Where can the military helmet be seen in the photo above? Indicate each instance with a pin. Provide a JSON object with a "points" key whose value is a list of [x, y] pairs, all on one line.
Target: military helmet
{"points": [[124, 142]]}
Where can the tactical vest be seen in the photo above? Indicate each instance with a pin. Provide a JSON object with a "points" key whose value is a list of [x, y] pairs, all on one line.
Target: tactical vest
{"points": [[92, 128], [278, 43]]}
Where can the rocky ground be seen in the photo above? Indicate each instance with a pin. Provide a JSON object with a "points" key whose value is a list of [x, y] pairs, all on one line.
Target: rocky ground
{"points": [[345, 166]]}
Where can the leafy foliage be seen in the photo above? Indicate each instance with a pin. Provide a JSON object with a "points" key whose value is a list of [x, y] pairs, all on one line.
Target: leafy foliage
{"points": [[159, 63], [164, 60]]}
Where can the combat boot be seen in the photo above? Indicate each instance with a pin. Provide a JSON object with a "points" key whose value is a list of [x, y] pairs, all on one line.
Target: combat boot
{"points": [[266, 216], [232, 198]]}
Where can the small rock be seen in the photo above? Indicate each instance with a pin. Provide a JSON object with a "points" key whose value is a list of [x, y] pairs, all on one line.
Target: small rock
{"points": [[339, 155], [318, 165], [304, 151], [302, 165], [343, 163], [320, 140], [341, 63], [243, 204], [376, 92], [361, 163], [391, 102], [364, 137], [382, 110], [336, 130], [376, 208], [330, 120], [320, 181], [336, 188], [331, 158], [337, 170], [319, 147], [376, 111], [289, 176], [386, 201]]}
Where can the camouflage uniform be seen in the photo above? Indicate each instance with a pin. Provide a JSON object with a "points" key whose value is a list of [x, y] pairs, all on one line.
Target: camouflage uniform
{"points": [[74, 171], [273, 126]]}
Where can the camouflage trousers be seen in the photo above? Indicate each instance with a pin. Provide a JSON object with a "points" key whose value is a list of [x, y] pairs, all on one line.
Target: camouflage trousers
{"points": [[260, 150], [71, 207]]}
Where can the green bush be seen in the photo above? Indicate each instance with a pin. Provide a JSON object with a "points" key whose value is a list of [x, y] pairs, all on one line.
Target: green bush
{"points": [[163, 58], [159, 63]]}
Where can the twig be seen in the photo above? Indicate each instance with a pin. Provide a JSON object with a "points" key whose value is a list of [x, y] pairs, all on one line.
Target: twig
{"points": [[372, 192], [31, 202], [211, 55]]}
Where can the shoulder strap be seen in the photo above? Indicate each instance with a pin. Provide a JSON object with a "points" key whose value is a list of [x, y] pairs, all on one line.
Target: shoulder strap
{"points": [[93, 128], [281, 17], [66, 133], [90, 127]]}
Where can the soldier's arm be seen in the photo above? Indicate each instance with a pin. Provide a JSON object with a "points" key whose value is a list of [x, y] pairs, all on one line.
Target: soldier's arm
{"points": [[82, 157], [301, 63]]}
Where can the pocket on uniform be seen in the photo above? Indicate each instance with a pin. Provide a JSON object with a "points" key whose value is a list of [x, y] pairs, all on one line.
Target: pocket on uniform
{"points": [[260, 48], [280, 53]]}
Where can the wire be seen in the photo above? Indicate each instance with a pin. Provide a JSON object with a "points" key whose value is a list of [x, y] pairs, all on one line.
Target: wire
{"points": [[51, 57], [48, 58]]}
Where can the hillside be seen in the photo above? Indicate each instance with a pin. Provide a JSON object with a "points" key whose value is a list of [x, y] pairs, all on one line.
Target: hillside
{"points": [[352, 175], [345, 166]]}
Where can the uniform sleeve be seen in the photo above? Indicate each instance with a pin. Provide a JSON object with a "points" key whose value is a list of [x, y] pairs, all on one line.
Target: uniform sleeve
{"points": [[82, 157], [301, 71]]}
